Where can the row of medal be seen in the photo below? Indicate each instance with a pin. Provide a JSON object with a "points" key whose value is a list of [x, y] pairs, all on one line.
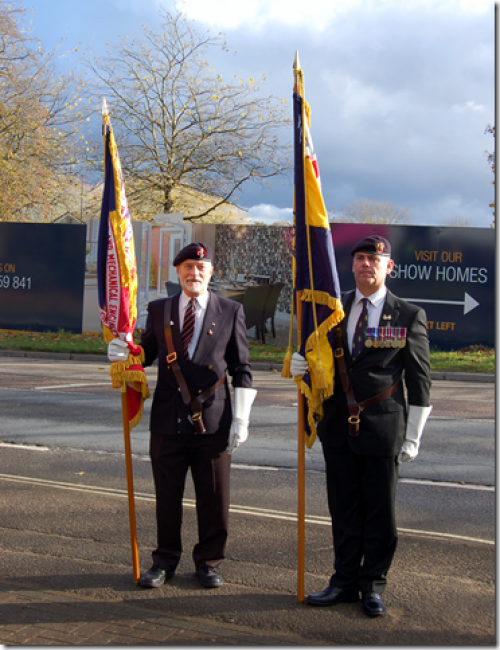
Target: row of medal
{"points": [[385, 337]]}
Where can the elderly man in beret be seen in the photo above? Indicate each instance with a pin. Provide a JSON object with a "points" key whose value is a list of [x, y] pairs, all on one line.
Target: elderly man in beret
{"points": [[197, 338], [369, 427]]}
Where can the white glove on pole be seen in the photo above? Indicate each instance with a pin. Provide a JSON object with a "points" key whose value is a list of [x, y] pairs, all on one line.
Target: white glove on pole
{"points": [[415, 423], [118, 350], [298, 365], [243, 400]]}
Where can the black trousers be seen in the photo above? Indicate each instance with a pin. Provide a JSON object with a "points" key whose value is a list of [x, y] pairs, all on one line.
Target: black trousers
{"points": [[362, 500], [206, 455]]}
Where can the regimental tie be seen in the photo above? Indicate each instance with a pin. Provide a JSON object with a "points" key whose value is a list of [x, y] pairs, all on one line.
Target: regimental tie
{"points": [[359, 332], [188, 326]]}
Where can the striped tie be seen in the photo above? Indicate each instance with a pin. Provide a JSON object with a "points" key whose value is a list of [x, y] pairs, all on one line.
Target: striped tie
{"points": [[362, 324], [188, 327]]}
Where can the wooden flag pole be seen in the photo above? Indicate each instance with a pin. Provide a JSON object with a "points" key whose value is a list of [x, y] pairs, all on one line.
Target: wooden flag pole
{"points": [[130, 484], [301, 463]]}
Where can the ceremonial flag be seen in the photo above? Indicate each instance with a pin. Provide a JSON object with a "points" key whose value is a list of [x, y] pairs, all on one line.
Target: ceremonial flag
{"points": [[117, 277], [315, 277]]}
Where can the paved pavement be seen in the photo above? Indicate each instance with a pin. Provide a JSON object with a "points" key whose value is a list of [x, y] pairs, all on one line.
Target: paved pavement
{"points": [[34, 617], [68, 614]]}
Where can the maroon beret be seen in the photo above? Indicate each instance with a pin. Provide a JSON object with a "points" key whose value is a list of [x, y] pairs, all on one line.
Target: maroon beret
{"points": [[194, 251], [373, 244]]}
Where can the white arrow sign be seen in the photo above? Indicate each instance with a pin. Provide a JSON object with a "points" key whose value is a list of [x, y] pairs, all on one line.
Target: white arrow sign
{"points": [[468, 302]]}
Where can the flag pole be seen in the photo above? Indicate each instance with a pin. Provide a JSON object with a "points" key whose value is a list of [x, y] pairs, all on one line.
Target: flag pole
{"points": [[126, 436], [301, 501], [301, 462], [130, 484]]}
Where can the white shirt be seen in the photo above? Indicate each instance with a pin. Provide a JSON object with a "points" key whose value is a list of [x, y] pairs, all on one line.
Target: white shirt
{"points": [[201, 303], [374, 307]]}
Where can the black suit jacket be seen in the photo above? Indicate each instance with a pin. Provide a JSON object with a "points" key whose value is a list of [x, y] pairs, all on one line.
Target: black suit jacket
{"points": [[383, 425], [222, 347]]}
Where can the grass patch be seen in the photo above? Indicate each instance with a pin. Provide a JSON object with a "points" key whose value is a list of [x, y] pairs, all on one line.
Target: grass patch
{"points": [[475, 358]]}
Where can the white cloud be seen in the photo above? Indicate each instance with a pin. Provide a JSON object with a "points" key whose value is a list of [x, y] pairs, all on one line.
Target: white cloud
{"points": [[228, 14], [470, 106], [269, 214]]}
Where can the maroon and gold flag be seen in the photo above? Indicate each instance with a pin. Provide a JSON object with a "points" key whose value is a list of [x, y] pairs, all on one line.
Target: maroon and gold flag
{"points": [[117, 277]]}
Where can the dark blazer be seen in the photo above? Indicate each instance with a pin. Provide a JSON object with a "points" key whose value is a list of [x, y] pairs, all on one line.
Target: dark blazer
{"points": [[383, 425], [222, 347]]}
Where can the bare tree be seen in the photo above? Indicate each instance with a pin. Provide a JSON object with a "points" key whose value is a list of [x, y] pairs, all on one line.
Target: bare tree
{"points": [[182, 131], [370, 211], [457, 222], [40, 114], [491, 161]]}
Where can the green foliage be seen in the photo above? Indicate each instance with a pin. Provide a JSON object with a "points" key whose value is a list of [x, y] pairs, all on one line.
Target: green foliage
{"points": [[472, 359]]}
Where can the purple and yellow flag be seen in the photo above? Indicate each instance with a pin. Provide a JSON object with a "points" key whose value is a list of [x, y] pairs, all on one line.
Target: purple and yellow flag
{"points": [[117, 277], [314, 269]]}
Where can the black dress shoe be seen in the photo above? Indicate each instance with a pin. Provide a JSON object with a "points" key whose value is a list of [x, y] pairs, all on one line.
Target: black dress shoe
{"points": [[209, 577], [333, 596], [155, 577], [373, 605]]}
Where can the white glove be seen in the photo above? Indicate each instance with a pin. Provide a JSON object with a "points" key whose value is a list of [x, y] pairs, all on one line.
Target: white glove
{"points": [[243, 400], [415, 423], [118, 350], [298, 365]]}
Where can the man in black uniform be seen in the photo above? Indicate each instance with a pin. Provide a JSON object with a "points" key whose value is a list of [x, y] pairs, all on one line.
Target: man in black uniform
{"points": [[368, 427], [196, 337]]}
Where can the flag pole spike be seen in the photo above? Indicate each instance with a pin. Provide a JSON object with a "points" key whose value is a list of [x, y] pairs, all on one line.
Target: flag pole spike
{"points": [[296, 62], [104, 107]]}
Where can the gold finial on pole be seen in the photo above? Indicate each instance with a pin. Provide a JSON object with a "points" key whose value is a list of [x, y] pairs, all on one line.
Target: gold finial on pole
{"points": [[296, 62], [104, 107]]}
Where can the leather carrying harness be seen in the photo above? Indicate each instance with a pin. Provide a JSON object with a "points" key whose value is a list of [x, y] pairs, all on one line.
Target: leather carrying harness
{"points": [[353, 406], [188, 398]]}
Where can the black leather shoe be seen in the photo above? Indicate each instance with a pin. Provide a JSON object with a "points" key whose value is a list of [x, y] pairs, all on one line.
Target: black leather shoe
{"points": [[209, 577], [333, 596], [373, 605], [155, 577]]}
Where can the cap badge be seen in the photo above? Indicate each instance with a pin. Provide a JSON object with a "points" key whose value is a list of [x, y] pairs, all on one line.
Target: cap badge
{"points": [[380, 247], [201, 252]]}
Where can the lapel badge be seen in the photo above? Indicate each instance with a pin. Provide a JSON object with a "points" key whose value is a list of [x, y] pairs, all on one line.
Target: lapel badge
{"points": [[386, 317], [210, 332]]}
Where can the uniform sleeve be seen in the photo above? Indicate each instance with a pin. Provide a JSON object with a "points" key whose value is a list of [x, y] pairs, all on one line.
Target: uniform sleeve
{"points": [[149, 341], [417, 361], [237, 357]]}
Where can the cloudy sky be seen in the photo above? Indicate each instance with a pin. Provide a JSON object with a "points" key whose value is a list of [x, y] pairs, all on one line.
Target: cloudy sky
{"points": [[400, 91]]}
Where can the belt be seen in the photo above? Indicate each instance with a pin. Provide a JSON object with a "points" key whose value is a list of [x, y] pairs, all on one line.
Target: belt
{"points": [[354, 407], [196, 402]]}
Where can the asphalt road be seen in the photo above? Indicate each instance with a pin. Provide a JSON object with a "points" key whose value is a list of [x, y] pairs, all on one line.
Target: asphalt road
{"points": [[64, 519]]}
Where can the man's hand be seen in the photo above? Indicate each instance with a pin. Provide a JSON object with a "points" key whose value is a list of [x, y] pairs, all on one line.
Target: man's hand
{"points": [[298, 365], [238, 433], [118, 350], [415, 423]]}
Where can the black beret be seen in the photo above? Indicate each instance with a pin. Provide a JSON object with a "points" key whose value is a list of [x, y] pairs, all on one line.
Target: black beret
{"points": [[194, 251], [373, 244]]}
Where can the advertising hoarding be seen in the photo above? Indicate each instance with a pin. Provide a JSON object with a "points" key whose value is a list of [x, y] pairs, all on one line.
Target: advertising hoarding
{"points": [[42, 269], [449, 272]]}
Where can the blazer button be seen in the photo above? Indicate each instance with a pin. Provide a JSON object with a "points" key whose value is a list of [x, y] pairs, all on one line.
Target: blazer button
{"points": [[179, 389], [210, 367], [199, 391]]}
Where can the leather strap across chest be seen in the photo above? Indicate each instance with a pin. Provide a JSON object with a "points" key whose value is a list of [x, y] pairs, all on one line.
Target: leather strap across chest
{"points": [[354, 407], [188, 398]]}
